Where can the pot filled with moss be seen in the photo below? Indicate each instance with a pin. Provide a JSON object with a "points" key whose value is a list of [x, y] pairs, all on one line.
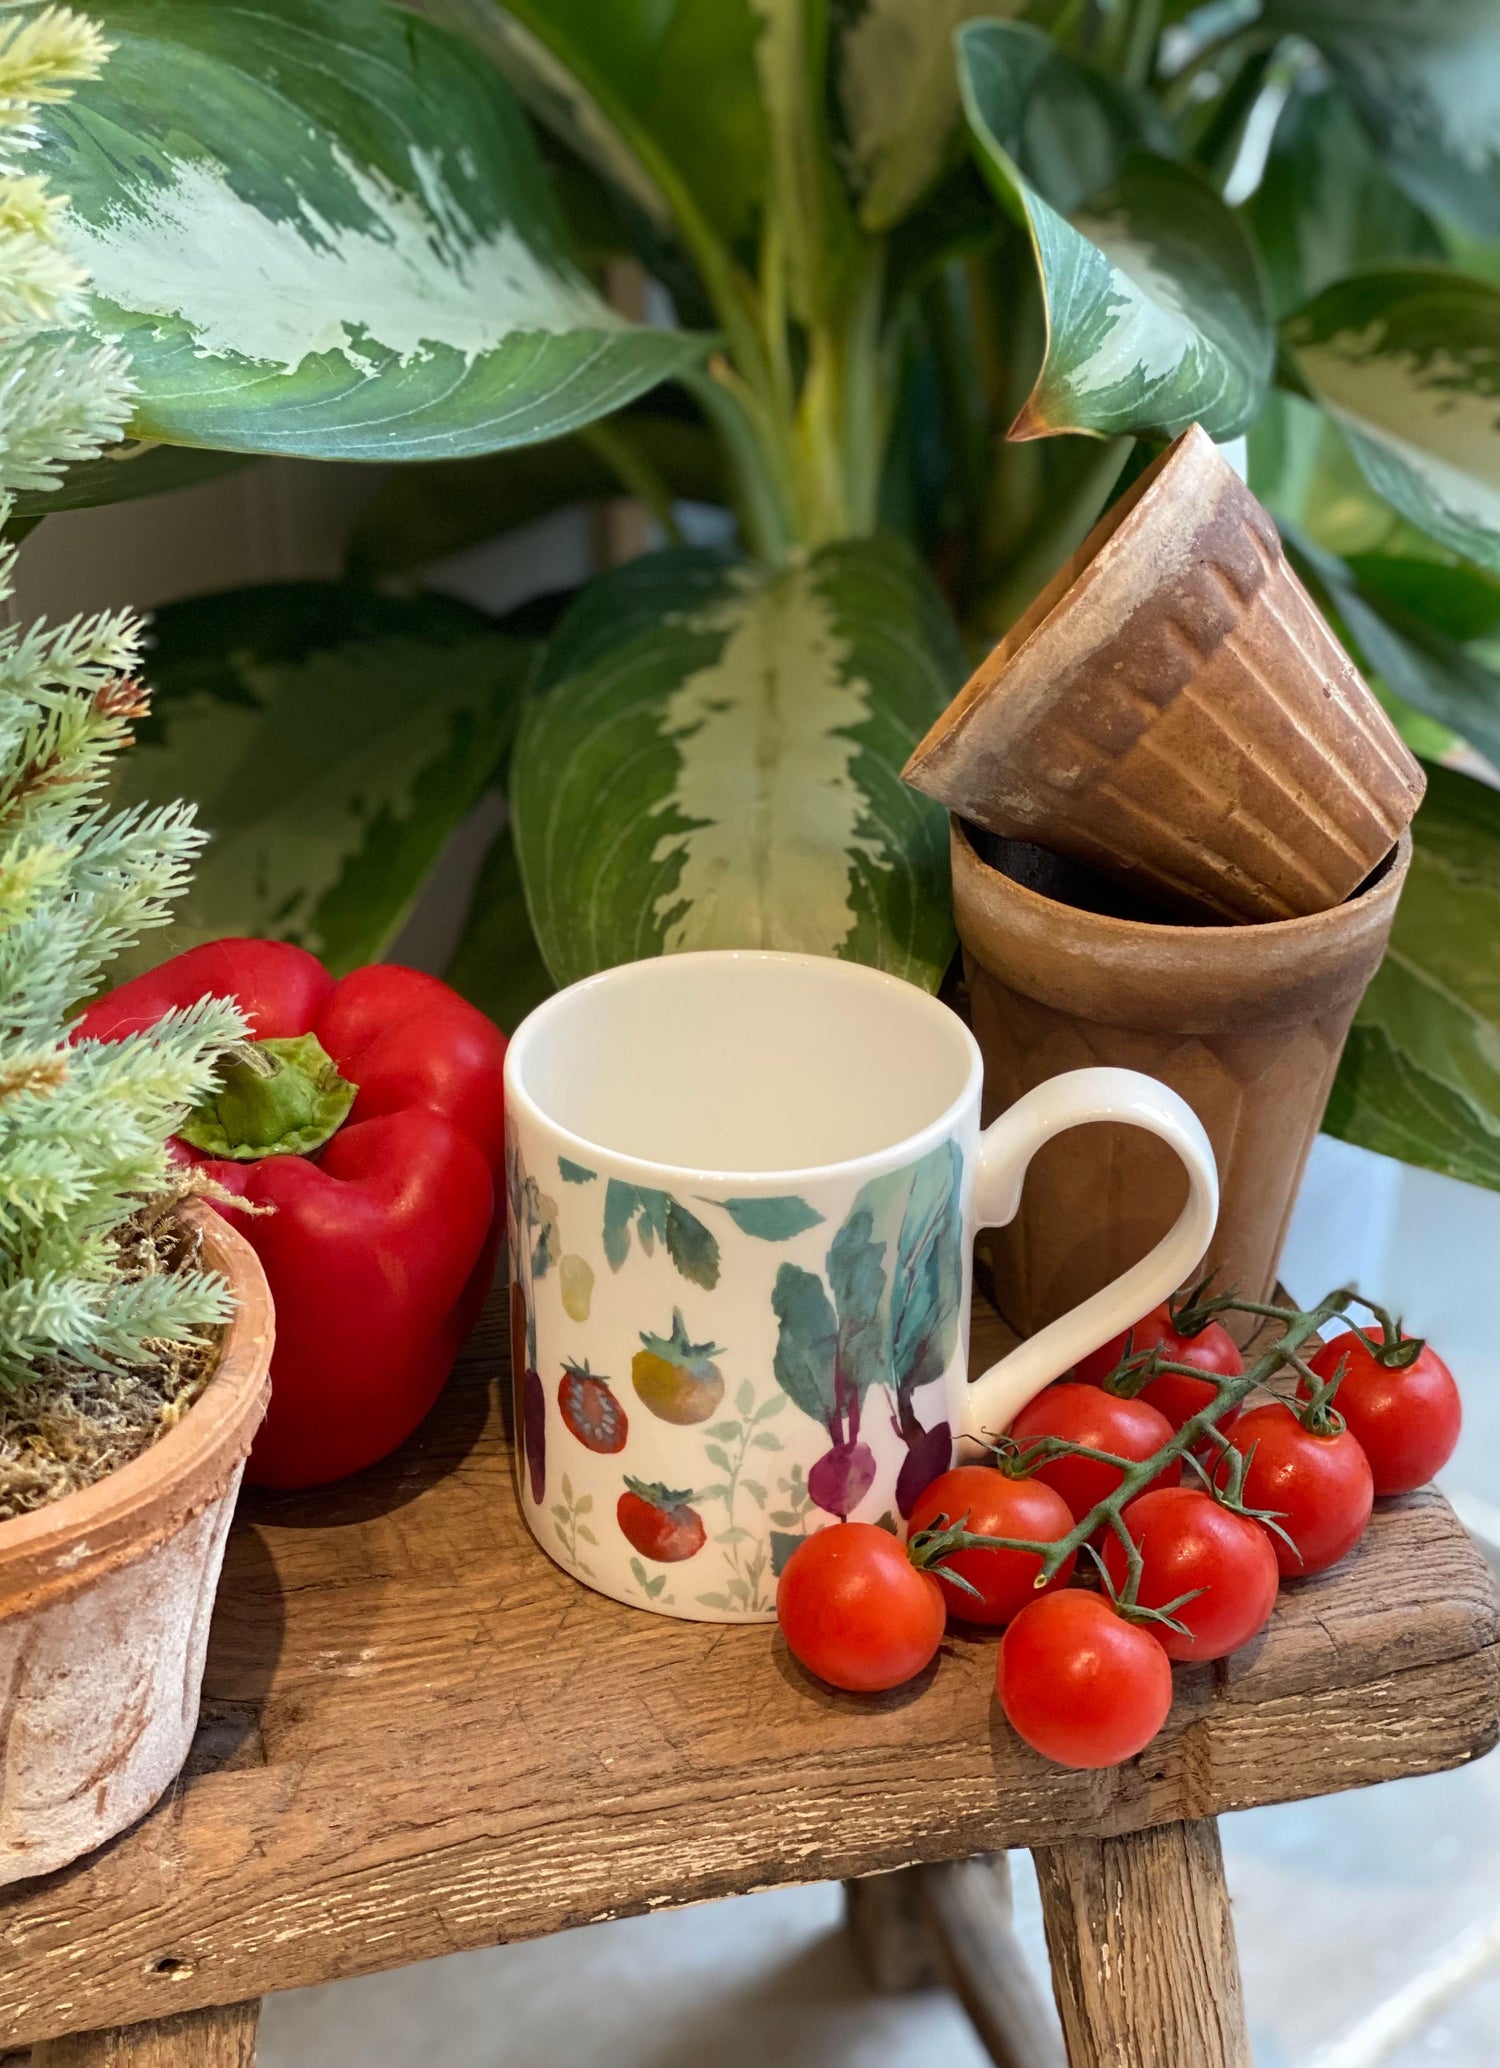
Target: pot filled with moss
{"points": [[135, 1325]]}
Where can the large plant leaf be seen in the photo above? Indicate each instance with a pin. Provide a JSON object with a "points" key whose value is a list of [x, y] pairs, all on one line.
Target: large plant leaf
{"points": [[318, 227], [1154, 310], [1420, 1078], [1425, 75], [712, 759], [333, 738], [659, 95], [1386, 607], [137, 468], [497, 964], [1326, 206], [1408, 364], [898, 96]]}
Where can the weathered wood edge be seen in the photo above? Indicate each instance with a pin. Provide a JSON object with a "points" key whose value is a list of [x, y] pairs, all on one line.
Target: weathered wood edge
{"points": [[196, 1944]]}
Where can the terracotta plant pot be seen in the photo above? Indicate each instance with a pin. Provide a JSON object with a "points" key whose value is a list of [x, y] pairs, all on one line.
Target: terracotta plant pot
{"points": [[1174, 711], [105, 1599], [1246, 1022]]}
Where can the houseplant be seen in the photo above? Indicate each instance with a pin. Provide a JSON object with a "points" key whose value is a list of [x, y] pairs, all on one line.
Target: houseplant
{"points": [[930, 283], [134, 1332]]}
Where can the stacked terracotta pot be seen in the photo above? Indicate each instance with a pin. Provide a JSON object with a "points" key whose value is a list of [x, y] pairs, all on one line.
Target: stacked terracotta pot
{"points": [[1179, 836]]}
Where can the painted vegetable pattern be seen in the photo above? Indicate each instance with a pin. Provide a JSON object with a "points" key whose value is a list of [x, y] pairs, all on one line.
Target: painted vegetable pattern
{"points": [[589, 1408], [676, 1379], [884, 1322], [862, 1337], [733, 1446], [660, 1523], [535, 1245]]}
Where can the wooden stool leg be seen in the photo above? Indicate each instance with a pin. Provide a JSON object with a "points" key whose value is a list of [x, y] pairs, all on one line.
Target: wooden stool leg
{"points": [[223, 2038], [968, 1909], [886, 1923], [951, 1923], [1143, 1961]]}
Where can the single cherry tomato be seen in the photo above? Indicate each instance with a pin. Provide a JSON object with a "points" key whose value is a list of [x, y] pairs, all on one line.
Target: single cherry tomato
{"points": [[1080, 1683], [1406, 1418], [1179, 1399], [856, 1611], [992, 1504], [1318, 1488], [1192, 1544], [1085, 1414]]}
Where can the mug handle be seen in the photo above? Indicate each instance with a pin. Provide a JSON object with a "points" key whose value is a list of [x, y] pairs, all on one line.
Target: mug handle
{"points": [[1006, 1148]]}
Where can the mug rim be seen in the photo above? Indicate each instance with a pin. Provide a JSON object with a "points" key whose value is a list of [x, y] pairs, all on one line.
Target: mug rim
{"points": [[518, 1098]]}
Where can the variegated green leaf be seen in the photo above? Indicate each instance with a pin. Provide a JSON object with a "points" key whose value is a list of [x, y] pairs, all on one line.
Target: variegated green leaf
{"points": [[1409, 622], [1425, 75], [333, 738], [1420, 1078], [712, 761], [1326, 206], [497, 964], [1408, 363], [1154, 311], [136, 468], [662, 99], [898, 95], [318, 227]]}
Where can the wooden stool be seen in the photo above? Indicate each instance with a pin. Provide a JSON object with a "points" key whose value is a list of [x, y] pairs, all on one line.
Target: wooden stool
{"points": [[419, 1736]]}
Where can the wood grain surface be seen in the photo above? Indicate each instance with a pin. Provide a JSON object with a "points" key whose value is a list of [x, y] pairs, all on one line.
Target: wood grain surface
{"points": [[1142, 1950], [197, 2039], [419, 1736]]}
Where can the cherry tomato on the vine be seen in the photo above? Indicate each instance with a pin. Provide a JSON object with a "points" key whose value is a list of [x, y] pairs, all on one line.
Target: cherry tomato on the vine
{"points": [[1192, 1544], [1318, 1488], [1406, 1420], [1084, 1414], [992, 1504], [1178, 1398], [856, 1611], [1080, 1683]]}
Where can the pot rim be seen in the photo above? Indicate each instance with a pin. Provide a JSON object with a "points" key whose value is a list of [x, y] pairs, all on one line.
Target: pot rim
{"points": [[53, 1552], [1389, 872], [1166, 977]]}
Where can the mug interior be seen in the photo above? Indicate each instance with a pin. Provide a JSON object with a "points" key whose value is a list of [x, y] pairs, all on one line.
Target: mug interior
{"points": [[728, 1062]]}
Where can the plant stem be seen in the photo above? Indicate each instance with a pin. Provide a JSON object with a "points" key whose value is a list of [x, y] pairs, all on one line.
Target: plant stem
{"points": [[1108, 1513], [637, 475]]}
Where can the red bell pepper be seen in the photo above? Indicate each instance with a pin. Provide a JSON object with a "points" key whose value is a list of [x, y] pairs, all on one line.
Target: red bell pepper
{"points": [[368, 1113]]}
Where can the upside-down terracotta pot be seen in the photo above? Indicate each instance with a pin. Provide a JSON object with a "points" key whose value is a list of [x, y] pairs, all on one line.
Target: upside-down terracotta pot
{"points": [[1174, 711], [1246, 1022], [105, 1599]]}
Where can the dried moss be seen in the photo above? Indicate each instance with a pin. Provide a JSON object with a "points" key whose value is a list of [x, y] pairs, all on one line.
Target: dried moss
{"points": [[69, 1426]]}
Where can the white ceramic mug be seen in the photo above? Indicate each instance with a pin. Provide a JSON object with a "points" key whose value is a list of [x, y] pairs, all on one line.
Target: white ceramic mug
{"points": [[744, 1189]]}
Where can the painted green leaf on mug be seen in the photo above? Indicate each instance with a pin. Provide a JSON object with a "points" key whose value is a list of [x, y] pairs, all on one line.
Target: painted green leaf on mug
{"points": [[318, 227], [927, 1288], [658, 1217], [776, 1219], [1155, 315], [807, 1341], [1420, 1077], [712, 760]]}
